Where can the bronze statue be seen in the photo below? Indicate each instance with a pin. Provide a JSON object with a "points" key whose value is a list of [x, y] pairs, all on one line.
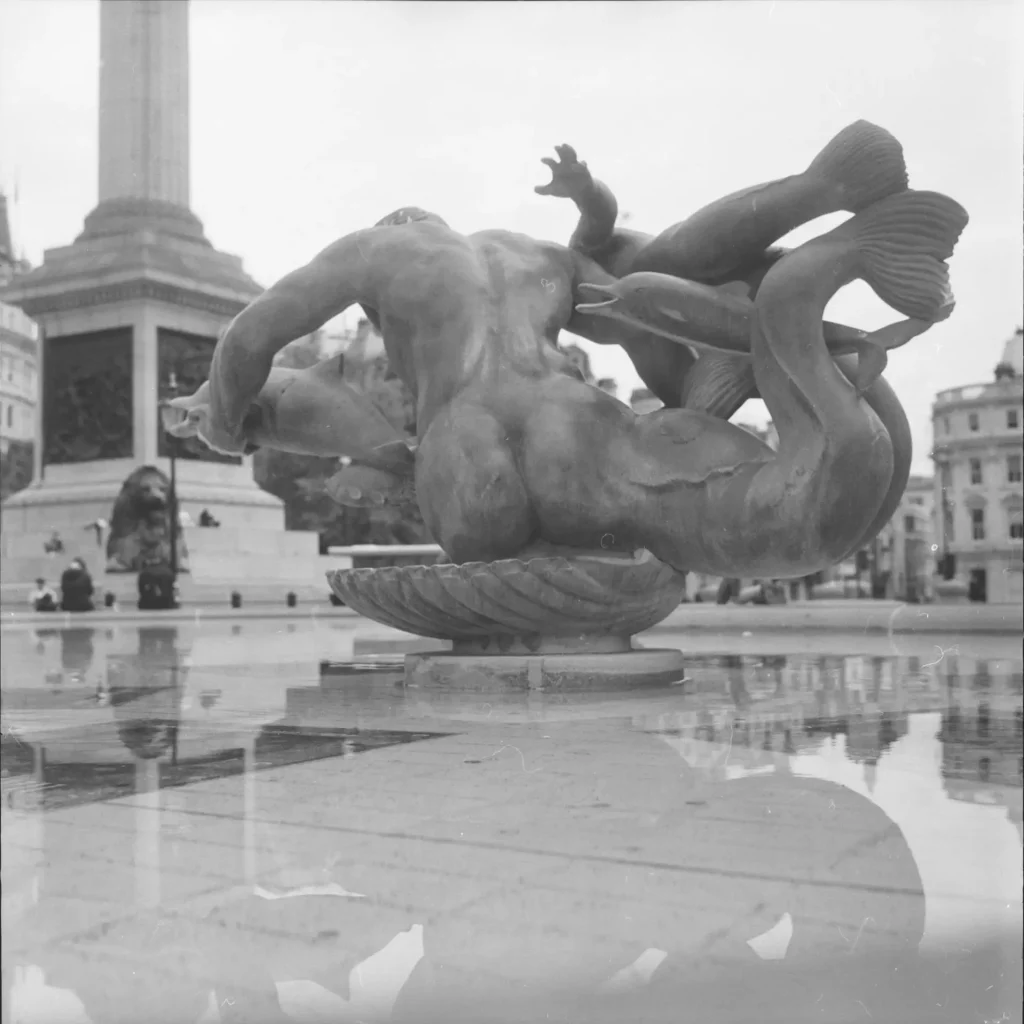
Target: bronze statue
{"points": [[514, 454]]}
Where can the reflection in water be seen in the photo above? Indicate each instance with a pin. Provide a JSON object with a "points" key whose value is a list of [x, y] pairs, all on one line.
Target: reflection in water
{"points": [[545, 858], [76, 652], [145, 690]]}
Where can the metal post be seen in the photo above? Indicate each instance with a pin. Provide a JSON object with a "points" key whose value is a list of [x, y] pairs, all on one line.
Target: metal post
{"points": [[173, 511], [172, 443]]}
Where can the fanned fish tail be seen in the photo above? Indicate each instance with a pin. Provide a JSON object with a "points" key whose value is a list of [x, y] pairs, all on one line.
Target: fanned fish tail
{"points": [[865, 161], [904, 242]]}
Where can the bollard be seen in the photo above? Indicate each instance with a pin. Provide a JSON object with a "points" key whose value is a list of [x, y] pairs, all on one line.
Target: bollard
{"points": [[291, 599], [236, 599]]}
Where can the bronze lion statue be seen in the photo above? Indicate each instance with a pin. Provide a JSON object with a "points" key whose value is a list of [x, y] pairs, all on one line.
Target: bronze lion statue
{"points": [[140, 524]]}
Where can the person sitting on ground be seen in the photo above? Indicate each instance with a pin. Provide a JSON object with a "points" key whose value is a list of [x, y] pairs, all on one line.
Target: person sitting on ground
{"points": [[76, 588], [43, 598], [206, 519], [54, 546]]}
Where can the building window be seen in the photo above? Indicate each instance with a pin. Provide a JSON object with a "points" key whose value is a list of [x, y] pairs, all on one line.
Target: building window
{"points": [[10, 415], [975, 470], [978, 523], [945, 424], [1017, 528], [983, 720], [1013, 469], [908, 524], [1012, 419], [972, 421]]}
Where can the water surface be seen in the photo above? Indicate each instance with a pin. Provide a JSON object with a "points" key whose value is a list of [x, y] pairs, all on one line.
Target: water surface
{"points": [[258, 821]]}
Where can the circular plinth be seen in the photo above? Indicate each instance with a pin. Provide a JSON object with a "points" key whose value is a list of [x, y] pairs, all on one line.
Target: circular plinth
{"points": [[553, 671], [577, 599]]}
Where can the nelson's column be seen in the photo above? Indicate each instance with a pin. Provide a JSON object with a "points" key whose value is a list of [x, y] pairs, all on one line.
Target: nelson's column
{"points": [[135, 304]]}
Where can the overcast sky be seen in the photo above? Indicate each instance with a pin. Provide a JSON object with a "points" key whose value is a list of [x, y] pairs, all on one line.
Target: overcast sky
{"points": [[313, 119]]}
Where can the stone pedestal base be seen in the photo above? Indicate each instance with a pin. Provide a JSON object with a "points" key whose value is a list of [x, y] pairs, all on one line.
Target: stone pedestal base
{"points": [[541, 622], [584, 670]]}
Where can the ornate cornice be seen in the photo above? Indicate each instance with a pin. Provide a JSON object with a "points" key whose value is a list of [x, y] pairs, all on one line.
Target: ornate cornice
{"points": [[977, 396], [130, 291], [996, 445]]}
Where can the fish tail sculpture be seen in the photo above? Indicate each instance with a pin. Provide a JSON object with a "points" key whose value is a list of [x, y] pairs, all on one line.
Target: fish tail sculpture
{"points": [[836, 471], [863, 164]]}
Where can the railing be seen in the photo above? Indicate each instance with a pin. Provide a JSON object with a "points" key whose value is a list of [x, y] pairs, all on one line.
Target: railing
{"points": [[978, 392]]}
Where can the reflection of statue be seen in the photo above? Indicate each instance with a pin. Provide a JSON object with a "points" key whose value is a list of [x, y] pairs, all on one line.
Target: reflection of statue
{"points": [[139, 527], [513, 450]]}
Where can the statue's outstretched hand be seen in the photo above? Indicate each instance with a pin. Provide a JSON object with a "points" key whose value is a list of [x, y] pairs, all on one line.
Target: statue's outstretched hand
{"points": [[570, 178]]}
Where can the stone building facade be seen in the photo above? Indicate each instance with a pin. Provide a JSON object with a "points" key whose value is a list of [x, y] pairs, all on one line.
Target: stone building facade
{"points": [[19, 376], [979, 465]]}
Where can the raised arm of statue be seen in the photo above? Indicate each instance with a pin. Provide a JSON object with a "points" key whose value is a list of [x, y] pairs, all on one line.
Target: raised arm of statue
{"points": [[354, 269], [571, 179], [596, 235]]}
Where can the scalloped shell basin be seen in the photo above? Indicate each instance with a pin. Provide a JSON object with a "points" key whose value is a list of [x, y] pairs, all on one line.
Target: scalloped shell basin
{"points": [[577, 596]]}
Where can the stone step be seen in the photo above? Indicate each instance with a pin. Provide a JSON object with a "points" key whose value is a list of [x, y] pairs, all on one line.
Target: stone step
{"points": [[14, 596], [215, 554], [27, 569], [226, 540]]}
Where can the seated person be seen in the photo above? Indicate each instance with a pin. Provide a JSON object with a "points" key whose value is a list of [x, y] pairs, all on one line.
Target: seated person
{"points": [[206, 519], [43, 598], [76, 588]]}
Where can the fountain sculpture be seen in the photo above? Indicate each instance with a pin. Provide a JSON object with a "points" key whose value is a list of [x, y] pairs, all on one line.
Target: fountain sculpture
{"points": [[568, 520]]}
